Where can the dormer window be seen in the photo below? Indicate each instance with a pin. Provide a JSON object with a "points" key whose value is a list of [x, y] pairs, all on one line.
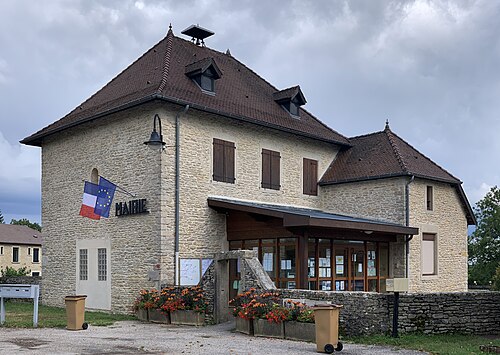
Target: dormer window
{"points": [[204, 73], [290, 99]]}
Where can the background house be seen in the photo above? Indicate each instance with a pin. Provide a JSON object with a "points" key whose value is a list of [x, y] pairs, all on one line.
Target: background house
{"points": [[20, 246], [240, 170]]}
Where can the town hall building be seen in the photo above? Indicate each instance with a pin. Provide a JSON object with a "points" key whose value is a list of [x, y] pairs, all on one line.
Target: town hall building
{"points": [[232, 162]]}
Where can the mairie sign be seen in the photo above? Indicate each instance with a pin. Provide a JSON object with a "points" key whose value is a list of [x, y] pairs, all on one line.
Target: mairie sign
{"points": [[131, 207]]}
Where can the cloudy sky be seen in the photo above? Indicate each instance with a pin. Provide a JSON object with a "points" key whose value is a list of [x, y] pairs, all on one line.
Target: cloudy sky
{"points": [[430, 67]]}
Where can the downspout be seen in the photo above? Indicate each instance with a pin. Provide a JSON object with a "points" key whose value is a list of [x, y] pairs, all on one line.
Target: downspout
{"points": [[408, 237], [177, 178]]}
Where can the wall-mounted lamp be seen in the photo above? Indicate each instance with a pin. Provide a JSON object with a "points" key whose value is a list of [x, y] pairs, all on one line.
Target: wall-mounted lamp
{"points": [[156, 139], [368, 232]]}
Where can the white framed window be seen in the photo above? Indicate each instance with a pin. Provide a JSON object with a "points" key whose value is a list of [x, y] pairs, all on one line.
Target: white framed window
{"points": [[36, 255], [83, 264], [35, 273], [102, 270], [15, 254], [429, 254]]}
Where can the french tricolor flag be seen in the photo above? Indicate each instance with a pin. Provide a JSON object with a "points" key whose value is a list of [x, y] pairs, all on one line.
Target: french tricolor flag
{"points": [[89, 201]]}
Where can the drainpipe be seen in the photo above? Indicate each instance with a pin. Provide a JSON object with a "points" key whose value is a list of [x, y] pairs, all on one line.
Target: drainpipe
{"points": [[408, 237], [177, 178]]}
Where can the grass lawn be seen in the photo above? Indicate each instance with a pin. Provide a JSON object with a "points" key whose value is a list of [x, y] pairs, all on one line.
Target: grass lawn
{"points": [[20, 315], [435, 344]]}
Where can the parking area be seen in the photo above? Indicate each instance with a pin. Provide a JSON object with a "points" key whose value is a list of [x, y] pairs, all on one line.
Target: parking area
{"points": [[133, 337]]}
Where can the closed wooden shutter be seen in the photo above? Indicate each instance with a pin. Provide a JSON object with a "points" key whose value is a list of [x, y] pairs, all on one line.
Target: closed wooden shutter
{"points": [[310, 177], [218, 160], [223, 161], [229, 148], [270, 169]]}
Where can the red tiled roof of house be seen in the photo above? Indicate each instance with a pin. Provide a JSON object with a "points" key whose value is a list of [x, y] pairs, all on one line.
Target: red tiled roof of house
{"points": [[160, 74], [19, 234], [382, 154]]}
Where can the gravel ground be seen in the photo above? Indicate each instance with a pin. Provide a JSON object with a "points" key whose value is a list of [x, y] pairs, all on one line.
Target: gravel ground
{"points": [[133, 337]]}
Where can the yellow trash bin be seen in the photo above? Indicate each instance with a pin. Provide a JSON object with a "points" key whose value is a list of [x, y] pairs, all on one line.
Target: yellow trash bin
{"points": [[75, 312], [326, 318]]}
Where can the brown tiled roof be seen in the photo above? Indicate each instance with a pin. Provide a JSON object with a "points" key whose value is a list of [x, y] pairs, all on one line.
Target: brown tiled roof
{"points": [[160, 74], [18, 234], [382, 155]]}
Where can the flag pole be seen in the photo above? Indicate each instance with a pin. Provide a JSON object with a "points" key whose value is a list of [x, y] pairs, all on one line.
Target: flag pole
{"points": [[119, 188]]}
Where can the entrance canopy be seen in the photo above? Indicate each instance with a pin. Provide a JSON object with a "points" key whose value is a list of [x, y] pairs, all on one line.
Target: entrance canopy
{"points": [[299, 217]]}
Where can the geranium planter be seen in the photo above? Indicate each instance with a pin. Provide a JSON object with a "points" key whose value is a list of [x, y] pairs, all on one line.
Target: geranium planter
{"points": [[142, 314], [157, 316], [264, 328], [187, 317], [244, 326], [300, 331]]}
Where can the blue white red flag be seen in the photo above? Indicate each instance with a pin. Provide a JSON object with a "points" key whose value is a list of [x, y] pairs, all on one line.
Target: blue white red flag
{"points": [[89, 200]]}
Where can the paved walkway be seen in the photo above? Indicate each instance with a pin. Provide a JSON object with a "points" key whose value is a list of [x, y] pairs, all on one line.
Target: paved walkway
{"points": [[133, 337]]}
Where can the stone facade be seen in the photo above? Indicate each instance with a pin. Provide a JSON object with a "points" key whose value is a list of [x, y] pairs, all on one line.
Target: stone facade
{"points": [[448, 222], [141, 244], [25, 257], [203, 230], [382, 199], [114, 147]]}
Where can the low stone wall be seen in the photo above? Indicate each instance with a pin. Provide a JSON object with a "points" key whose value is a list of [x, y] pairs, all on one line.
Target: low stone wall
{"points": [[23, 280], [365, 313], [460, 312]]}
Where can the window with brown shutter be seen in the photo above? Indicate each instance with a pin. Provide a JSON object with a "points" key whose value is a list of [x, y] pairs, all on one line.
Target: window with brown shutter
{"points": [[310, 178], [223, 161], [270, 169]]}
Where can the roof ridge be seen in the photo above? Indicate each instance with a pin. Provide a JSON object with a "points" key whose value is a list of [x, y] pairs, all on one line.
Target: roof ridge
{"points": [[430, 160], [395, 148], [166, 60], [366, 135]]}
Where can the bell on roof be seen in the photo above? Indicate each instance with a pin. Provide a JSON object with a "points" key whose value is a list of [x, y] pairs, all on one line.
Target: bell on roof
{"points": [[387, 125], [199, 33]]}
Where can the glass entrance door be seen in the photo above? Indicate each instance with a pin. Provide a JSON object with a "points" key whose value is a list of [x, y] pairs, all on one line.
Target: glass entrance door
{"points": [[357, 267]]}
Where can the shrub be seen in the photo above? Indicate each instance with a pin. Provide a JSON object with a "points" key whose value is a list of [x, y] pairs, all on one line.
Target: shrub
{"points": [[277, 314], [240, 302], [192, 298], [496, 280], [10, 271]]}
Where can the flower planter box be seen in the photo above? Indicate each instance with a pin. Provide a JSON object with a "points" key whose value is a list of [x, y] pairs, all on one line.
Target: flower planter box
{"points": [[263, 328], [300, 331], [157, 316], [142, 314], [244, 326], [187, 317]]}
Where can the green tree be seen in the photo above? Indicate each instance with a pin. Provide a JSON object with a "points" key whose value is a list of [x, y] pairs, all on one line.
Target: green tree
{"points": [[1, 218], [26, 222], [484, 243]]}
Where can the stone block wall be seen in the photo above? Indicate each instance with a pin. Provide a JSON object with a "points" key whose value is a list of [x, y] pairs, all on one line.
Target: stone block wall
{"points": [[202, 229], [382, 199], [114, 146], [452, 312], [448, 222], [366, 313]]}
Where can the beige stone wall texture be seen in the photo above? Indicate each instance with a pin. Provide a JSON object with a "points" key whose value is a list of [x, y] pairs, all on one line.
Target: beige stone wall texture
{"points": [[25, 259], [382, 199], [113, 145], [202, 230], [448, 221]]}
